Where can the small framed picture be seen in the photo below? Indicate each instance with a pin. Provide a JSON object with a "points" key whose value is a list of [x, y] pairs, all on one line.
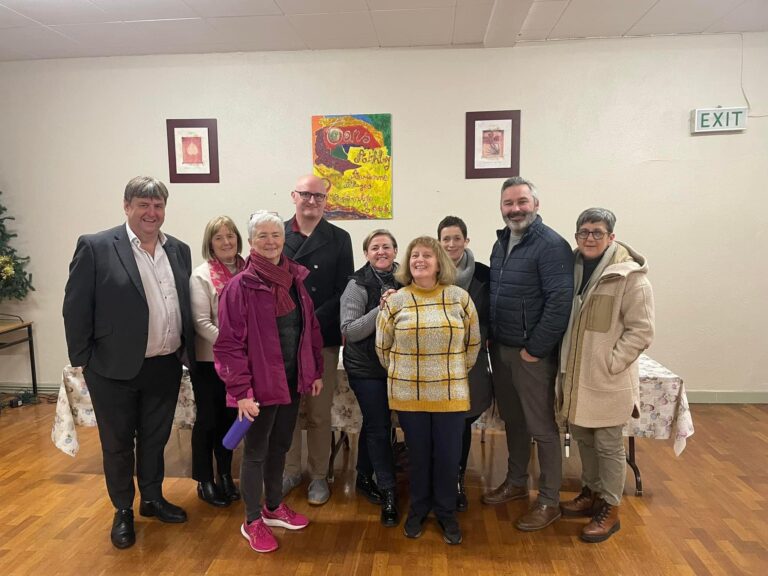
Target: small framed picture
{"points": [[193, 150], [493, 144]]}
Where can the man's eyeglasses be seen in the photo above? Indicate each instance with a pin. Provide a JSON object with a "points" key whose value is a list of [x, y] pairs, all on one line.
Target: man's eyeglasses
{"points": [[596, 234], [316, 196]]}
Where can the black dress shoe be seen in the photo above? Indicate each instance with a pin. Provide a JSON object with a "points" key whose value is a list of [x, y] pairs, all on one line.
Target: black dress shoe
{"points": [[209, 492], [123, 535], [164, 510], [389, 515], [229, 488], [367, 487]]}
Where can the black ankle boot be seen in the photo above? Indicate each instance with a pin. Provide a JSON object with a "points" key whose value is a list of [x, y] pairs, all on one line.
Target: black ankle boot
{"points": [[228, 487], [209, 492], [461, 495], [367, 487], [389, 515]]}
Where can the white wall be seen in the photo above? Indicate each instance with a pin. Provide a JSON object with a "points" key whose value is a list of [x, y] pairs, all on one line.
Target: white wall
{"points": [[604, 122]]}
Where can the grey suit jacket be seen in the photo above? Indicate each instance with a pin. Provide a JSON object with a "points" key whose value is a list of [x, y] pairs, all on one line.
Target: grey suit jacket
{"points": [[106, 316]]}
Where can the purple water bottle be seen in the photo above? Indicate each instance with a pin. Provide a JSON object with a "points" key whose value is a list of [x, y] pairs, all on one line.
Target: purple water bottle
{"points": [[235, 433]]}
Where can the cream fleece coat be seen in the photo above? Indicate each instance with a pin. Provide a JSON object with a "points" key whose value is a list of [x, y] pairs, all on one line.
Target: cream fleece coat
{"points": [[599, 376]]}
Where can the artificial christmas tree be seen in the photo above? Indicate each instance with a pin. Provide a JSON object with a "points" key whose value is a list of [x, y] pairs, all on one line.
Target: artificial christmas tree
{"points": [[15, 281]]}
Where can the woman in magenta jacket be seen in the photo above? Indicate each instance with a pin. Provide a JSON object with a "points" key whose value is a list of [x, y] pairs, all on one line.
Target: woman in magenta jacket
{"points": [[268, 353]]}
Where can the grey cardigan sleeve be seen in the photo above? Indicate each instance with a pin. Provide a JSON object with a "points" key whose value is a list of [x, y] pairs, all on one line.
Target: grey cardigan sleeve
{"points": [[356, 324]]}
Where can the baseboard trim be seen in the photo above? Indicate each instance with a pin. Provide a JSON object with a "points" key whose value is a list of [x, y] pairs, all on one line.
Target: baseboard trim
{"points": [[18, 387], [727, 397]]}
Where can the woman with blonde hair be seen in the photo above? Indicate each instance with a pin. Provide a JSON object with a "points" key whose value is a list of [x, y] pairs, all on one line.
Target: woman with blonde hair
{"points": [[428, 338], [222, 245]]}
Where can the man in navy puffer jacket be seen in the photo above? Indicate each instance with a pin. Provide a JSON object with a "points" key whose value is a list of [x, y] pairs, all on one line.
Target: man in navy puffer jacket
{"points": [[531, 296]]}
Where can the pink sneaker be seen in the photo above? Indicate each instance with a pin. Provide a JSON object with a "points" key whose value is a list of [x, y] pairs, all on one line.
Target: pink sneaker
{"points": [[284, 517], [259, 536]]}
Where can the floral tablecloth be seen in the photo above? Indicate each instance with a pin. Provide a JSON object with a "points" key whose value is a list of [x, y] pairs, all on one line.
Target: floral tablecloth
{"points": [[664, 411], [74, 408]]}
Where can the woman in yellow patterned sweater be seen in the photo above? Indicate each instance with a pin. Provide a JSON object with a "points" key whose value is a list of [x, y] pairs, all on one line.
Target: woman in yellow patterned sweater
{"points": [[428, 337]]}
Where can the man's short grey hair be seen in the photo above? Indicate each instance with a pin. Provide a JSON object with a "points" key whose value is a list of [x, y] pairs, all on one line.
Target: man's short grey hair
{"points": [[264, 217], [519, 181], [145, 187], [593, 215]]}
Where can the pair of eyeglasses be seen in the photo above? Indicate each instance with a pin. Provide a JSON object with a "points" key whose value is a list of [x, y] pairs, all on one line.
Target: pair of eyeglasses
{"points": [[596, 234], [317, 196]]}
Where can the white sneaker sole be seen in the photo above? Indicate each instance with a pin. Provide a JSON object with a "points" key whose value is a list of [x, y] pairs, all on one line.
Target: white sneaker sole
{"points": [[245, 535], [282, 524]]}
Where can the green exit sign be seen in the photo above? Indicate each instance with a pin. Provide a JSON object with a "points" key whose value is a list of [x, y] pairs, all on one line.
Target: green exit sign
{"points": [[718, 120]]}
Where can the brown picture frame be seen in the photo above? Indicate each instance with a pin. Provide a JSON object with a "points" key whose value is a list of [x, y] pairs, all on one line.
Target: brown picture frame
{"points": [[203, 165], [490, 151]]}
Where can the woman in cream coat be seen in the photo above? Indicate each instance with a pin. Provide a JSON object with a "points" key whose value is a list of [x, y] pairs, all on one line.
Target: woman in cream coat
{"points": [[612, 323]]}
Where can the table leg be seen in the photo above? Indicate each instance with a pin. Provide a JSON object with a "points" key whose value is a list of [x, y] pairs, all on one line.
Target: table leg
{"points": [[335, 447], [633, 464], [32, 359]]}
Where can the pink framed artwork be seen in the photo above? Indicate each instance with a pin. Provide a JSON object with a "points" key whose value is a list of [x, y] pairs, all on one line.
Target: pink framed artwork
{"points": [[193, 150]]}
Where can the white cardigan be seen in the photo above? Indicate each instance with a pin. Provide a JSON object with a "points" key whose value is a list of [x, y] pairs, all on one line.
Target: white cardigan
{"points": [[205, 312]]}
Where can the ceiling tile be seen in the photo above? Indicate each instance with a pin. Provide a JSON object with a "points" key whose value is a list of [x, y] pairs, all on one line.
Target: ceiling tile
{"points": [[259, 32], [531, 35], [39, 42], [471, 22], [426, 27], [409, 4], [682, 16], [326, 31], [598, 18], [218, 8], [321, 6], [9, 19], [59, 11], [506, 21], [144, 9], [752, 16], [544, 15]]}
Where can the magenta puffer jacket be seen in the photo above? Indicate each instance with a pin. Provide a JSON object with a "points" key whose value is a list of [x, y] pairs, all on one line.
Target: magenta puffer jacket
{"points": [[247, 352]]}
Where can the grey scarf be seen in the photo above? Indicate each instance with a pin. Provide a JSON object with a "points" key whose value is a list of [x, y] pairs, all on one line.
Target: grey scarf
{"points": [[465, 269]]}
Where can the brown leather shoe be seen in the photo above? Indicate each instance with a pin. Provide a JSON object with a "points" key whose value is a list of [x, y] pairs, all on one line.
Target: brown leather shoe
{"points": [[505, 493], [603, 524], [587, 503], [538, 516]]}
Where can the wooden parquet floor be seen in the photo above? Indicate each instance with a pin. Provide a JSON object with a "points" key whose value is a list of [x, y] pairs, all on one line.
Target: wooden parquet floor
{"points": [[703, 513]]}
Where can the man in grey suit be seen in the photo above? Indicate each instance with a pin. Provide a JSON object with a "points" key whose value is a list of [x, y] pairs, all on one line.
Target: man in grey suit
{"points": [[128, 323]]}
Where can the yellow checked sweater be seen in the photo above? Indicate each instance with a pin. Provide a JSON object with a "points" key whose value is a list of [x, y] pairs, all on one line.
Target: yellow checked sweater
{"points": [[428, 341]]}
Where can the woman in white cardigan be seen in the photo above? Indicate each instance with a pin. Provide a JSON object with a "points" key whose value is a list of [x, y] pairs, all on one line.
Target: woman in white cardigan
{"points": [[222, 245]]}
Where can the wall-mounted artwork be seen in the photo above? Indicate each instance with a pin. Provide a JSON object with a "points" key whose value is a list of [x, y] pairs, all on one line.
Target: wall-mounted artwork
{"points": [[353, 152], [193, 150], [493, 144]]}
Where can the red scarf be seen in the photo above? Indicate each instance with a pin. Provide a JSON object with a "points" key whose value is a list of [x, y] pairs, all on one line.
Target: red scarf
{"points": [[277, 277], [220, 274]]}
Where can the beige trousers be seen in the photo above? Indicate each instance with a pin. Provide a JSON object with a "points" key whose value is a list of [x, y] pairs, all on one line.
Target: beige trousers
{"points": [[603, 460], [318, 424]]}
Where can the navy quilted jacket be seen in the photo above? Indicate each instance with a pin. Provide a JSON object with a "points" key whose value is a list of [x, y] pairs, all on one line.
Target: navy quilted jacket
{"points": [[531, 290]]}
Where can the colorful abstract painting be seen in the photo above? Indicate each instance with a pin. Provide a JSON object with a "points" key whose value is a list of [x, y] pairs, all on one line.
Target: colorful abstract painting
{"points": [[353, 152]]}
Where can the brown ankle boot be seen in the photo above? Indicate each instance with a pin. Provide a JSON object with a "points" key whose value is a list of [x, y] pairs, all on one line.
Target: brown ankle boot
{"points": [[583, 505], [602, 525]]}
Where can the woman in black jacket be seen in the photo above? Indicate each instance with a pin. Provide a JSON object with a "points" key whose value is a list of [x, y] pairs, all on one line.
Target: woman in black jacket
{"points": [[367, 378]]}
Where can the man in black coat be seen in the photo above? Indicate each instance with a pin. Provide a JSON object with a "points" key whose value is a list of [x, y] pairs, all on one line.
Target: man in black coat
{"points": [[326, 251], [531, 295], [128, 323]]}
